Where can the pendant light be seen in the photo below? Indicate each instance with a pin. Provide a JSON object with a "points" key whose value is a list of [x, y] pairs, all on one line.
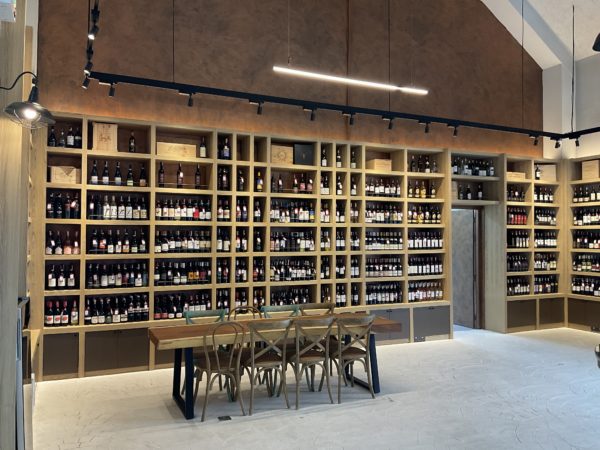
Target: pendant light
{"points": [[28, 114], [596, 46]]}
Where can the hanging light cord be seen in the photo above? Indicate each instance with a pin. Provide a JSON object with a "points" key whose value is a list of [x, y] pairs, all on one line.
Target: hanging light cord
{"points": [[18, 78], [523, 63], [573, 74], [173, 29], [389, 11], [289, 54]]}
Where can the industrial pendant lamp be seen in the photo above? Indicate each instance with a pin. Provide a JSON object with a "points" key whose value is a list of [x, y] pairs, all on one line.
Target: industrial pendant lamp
{"points": [[28, 114], [596, 46]]}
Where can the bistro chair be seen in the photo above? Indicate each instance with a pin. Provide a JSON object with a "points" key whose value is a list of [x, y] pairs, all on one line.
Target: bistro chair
{"points": [[280, 311], [243, 311], [307, 309], [197, 317], [353, 339], [222, 360], [312, 349], [189, 316], [270, 357]]}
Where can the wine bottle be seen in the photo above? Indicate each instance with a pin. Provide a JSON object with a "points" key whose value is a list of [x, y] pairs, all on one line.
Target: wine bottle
{"points": [[132, 146]]}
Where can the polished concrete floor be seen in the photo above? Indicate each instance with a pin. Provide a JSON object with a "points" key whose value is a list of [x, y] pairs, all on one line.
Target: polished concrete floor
{"points": [[535, 390]]}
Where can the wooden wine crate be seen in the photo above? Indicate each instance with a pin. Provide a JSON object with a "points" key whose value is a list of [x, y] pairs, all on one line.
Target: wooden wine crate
{"points": [[590, 169], [173, 149], [65, 174], [282, 154], [547, 172], [515, 176], [379, 164], [105, 137]]}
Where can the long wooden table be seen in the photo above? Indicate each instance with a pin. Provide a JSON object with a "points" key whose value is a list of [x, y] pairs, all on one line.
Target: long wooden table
{"points": [[184, 338]]}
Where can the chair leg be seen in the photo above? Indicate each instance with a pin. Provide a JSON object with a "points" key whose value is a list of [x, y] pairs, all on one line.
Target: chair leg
{"points": [[198, 379], [283, 385], [327, 378], [368, 368], [208, 383], [339, 387], [237, 383], [252, 389], [298, 371]]}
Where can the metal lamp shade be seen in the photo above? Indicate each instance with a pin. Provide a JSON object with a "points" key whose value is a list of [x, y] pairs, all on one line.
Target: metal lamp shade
{"points": [[29, 114]]}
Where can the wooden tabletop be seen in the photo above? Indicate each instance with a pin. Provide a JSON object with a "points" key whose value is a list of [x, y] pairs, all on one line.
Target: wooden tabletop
{"points": [[185, 336]]}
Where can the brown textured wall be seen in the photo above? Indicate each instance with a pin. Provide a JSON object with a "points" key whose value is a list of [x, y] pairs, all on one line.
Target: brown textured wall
{"points": [[455, 48]]}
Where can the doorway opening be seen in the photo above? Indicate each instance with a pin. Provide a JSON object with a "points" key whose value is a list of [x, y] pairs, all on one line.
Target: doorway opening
{"points": [[467, 267]]}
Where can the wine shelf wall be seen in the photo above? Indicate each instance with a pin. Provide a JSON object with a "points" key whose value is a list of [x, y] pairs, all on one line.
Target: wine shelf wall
{"points": [[249, 153], [583, 309], [532, 310]]}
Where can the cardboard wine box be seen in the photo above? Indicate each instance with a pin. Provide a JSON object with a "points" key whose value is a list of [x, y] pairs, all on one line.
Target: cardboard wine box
{"points": [[105, 137], [304, 154], [282, 154], [65, 174]]}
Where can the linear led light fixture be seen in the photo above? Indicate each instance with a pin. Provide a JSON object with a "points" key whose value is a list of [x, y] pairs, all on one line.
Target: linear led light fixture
{"points": [[349, 81], [108, 78]]}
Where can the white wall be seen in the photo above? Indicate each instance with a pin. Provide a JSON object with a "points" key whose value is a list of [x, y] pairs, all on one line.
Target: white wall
{"points": [[587, 104]]}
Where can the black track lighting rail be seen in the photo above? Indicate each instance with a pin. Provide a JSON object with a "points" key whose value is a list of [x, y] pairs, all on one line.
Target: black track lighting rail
{"points": [[348, 111]]}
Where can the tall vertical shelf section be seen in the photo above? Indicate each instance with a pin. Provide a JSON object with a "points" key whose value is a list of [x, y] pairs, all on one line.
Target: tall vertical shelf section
{"points": [[525, 293], [421, 301], [583, 295]]}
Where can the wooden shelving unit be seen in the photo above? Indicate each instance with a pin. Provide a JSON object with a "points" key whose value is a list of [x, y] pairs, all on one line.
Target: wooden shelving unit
{"points": [[532, 310], [107, 348], [583, 310]]}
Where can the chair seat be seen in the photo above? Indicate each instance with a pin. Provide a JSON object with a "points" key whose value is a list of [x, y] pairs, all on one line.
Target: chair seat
{"points": [[200, 362], [308, 357], [265, 361], [350, 354]]}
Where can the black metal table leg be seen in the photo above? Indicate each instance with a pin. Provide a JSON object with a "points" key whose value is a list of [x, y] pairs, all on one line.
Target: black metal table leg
{"points": [[374, 367], [186, 405]]}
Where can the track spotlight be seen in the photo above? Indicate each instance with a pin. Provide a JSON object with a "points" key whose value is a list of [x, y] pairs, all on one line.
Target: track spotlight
{"points": [[259, 108], [93, 32], [455, 132], [351, 120], [577, 142], [86, 82], [391, 124], [313, 114], [111, 90], [426, 127], [557, 145], [190, 101], [87, 70], [536, 140]]}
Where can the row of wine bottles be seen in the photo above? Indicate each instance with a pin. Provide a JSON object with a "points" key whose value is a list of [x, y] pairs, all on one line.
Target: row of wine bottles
{"points": [[197, 241], [381, 240], [517, 286], [586, 239], [383, 213], [116, 275], [516, 216], [117, 178], [383, 266], [472, 167], [69, 139], [425, 240], [465, 192], [585, 194], [183, 210], [586, 263], [177, 273], [59, 207], [585, 286], [56, 246], [386, 187], [130, 209], [425, 265], [290, 211], [586, 216], [425, 291], [424, 214], [545, 284], [102, 242], [116, 309], [519, 262], [338, 158]]}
